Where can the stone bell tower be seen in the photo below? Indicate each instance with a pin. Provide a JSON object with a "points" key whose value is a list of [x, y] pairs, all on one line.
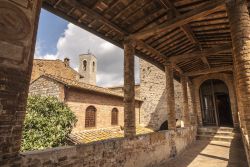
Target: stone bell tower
{"points": [[87, 68]]}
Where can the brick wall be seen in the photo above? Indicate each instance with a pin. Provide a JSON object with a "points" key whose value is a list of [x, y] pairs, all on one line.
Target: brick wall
{"points": [[158, 147], [78, 101], [152, 92], [45, 86]]}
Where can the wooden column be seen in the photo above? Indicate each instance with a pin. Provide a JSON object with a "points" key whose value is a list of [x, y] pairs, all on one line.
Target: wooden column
{"points": [[170, 96], [185, 111], [240, 32], [129, 90], [19, 22]]}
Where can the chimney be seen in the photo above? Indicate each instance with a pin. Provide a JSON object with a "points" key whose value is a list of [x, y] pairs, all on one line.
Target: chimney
{"points": [[66, 62]]}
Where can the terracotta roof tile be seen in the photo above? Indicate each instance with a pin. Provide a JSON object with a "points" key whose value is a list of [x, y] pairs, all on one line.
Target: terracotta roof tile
{"points": [[88, 136], [53, 67], [85, 86]]}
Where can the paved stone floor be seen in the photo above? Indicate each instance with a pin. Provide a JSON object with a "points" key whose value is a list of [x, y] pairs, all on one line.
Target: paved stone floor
{"points": [[211, 154]]}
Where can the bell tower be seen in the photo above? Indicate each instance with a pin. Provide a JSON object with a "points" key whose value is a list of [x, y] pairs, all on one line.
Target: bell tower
{"points": [[87, 68]]}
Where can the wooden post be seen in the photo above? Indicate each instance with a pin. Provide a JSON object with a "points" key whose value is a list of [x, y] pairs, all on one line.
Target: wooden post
{"points": [[170, 96], [129, 91], [19, 23], [185, 114]]}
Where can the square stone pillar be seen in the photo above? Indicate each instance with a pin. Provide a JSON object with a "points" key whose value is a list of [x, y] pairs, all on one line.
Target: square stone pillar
{"points": [[170, 96], [193, 101], [129, 90], [19, 23], [185, 111], [240, 32]]}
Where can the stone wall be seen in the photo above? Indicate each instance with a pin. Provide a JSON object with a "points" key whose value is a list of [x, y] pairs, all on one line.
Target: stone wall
{"points": [[147, 150], [45, 86], [78, 101], [19, 22], [152, 92]]}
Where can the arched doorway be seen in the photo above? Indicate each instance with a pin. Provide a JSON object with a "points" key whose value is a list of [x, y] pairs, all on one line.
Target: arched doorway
{"points": [[215, 103]]}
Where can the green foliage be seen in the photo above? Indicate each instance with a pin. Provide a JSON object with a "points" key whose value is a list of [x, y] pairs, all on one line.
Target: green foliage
{"points": [[47, 123]]}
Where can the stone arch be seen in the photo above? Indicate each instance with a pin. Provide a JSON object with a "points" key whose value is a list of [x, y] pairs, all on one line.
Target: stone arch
{"points": [[164, 125], [228, 80]]}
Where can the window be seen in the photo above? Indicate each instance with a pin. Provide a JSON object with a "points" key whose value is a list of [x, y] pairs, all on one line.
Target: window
{"points": [[84, 63], [93, 66], [114, 116], [90, 117]]}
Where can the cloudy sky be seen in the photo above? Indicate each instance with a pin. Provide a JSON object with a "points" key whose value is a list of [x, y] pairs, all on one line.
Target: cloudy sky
{"points": [[58, 39]]}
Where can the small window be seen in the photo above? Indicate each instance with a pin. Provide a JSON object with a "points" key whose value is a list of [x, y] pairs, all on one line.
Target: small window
{"points": [[93, 66], [84, 63], [90, 117], [114, 116]]}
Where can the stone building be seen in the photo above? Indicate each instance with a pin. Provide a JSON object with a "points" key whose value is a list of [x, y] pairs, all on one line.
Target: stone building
{"points": [[95, 107], [202, 44], [52, 77]]}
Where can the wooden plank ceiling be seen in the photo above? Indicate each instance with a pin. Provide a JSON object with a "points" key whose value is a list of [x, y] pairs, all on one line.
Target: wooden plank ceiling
{"points": [[193, 34]]}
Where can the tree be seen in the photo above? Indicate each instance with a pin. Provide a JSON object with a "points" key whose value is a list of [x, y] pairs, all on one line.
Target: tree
{"points": [[47, 123]]}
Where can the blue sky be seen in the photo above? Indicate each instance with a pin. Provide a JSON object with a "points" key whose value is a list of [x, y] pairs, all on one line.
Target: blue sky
{"points": [[51, 27], [58, 39]]}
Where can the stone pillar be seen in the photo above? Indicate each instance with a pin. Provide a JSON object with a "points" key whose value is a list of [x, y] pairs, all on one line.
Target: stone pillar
{"points": [[129, 90], [170, 96], [185, 111], [193, 101], [18, 22], [240, 32]]}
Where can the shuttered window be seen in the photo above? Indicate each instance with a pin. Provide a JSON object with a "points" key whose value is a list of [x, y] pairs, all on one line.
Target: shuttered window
{"points": [[114, 116], [90, 117]]}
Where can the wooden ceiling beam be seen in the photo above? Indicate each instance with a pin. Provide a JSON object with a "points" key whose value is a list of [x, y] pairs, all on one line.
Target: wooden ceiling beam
{"points": [[203, 53], [209, 71], [124, 10], [185, 28], [153, 51], [202, 11], [96, 16]]}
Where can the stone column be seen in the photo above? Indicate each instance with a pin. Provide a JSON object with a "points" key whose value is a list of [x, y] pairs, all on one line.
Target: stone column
{"points": [[19, 21], [129, 90], [193, 101], [170, 96], [240, 32], [185, 111]]}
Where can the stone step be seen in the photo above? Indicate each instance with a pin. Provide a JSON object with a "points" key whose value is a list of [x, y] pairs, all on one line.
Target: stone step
{"points": [[219, 133], [217, 138], [216, 129]]}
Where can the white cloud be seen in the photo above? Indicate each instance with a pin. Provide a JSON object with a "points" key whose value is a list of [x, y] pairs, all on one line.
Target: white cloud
{"points": [[76, 41]]}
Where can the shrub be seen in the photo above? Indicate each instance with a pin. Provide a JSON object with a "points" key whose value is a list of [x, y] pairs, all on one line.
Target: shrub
{"points": [[47, 123]]}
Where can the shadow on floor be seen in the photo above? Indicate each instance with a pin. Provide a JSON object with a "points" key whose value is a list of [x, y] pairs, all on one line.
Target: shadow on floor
{"points": [[205, 153]]}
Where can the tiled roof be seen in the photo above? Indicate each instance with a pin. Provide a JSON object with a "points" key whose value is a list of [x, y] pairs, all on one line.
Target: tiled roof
{"points": [[85, 86], [53, 67], [88, 136]]}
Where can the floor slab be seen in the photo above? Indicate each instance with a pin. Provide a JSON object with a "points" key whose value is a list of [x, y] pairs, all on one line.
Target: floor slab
{"points": [[211, 154]]}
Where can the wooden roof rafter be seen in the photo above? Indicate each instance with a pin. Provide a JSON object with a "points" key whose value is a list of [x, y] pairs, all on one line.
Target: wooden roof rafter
{"points": [[203, 53], [209, 71], [204, 10]]}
